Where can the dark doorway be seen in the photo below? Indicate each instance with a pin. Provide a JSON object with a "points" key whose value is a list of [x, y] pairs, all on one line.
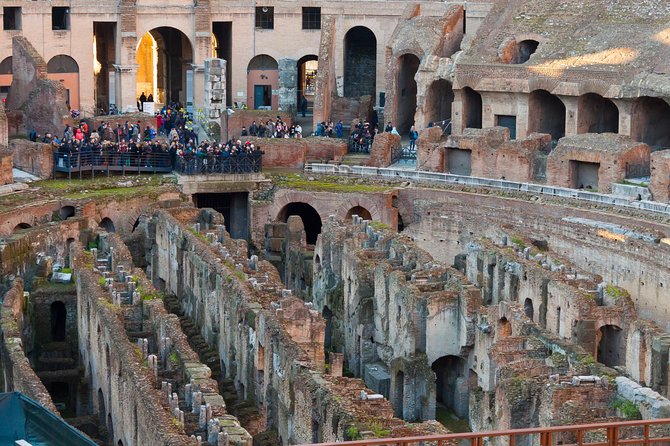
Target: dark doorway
{"points": [[611, 346], [651, 122], [508, 121], [21, 226], [233, 206], [262, 96], [451, 386], [360, 62], [107, 224], [104, 41], [399, 394], [472, 109], [406, 89], [597, 115], [223, 35], [528, 308], [546, 114], [310, 219], [58, 320], [328, 339], [439, 99], [307, 69], [360, 211], [584, 175], [66, 212]]}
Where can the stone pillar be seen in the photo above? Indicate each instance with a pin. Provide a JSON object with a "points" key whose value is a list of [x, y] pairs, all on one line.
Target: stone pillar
{"points": [[4, 132], [570, 114], [625, 118], [215, 92], [336, 363], [288, 84], [126, 86]]}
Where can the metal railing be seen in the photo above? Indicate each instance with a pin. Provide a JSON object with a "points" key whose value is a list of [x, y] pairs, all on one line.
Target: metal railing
{"points": [[642, 432], [360, 144], [234, 163], [78, 162], [404, 154], [511, 186]]}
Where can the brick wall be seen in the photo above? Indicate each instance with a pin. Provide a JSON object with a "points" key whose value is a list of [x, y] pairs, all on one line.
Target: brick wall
{"points": [[6, 165], [33, 157], [660, 175], [294, 153], [231, 125]]}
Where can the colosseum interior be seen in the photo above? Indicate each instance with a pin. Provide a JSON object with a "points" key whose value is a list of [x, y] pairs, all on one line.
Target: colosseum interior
{"points": [[499, 282]]}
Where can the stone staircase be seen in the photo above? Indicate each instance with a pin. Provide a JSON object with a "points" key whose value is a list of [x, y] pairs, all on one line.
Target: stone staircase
{"points": [[355, 159]]}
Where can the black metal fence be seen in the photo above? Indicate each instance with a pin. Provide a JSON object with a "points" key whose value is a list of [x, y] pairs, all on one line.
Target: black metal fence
{"points": [[404, 154], [233, 163], [106, 162], [359, 144]]}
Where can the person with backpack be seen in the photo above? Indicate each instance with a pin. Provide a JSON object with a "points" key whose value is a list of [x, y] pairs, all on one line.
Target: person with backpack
{"points": [[413, 136]]}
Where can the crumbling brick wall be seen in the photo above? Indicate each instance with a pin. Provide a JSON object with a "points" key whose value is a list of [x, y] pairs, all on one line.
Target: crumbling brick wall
{"points": [[33, 157], [659, 185]]}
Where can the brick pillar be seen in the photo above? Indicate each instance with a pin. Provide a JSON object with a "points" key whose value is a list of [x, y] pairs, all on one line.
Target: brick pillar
{"points": [[3, 128], [336, 364]]}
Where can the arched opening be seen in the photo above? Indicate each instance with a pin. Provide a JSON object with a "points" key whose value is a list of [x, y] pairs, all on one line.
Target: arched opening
{"points": [[399, 394], [5, 77], [262, 81], [651, 122], [546, 114], [611, 346], [406, 88], [21, 226], [528, 308], [102, 411], [310, 219], [106, 224], [360, 62], [451, 388], [526, 49], [110, 427], [119, 443], [65, 69], [401, 223], [472, 109], [504, 328], [66, 212], [307, 68], [164, 56], [438, 103], [58, 319], [360, 211], [104, 57], [597, 115]]}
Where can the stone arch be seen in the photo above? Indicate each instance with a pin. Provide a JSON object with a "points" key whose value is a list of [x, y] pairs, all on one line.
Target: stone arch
{"points": [[504, 328], [6, 65], [472, 108], [546, 114], [597, 114], [364, 202], [611, 345], [451, 384], [360, 62], [21, 226], [107, 224], [518, 50], [438, 101], [65, 69], [58, 319], [309, 216], [66, 212], [360, 211], [407, 66], [308, 66], [262, 82], [163, 55], [650, 122]]}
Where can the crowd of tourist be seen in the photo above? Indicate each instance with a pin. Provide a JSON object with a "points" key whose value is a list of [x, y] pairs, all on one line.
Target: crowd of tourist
{"points": [[272, 129]]}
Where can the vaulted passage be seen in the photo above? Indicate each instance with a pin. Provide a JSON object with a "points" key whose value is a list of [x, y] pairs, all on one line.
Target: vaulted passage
{"points": [[360, 211], [651, 122], [233, 206], [107, 224], [597, 115], [360, 62], [310, 219], [406, 89], [546, 114], [472, 108], [451, 390], [611, 346], [438, 102]]}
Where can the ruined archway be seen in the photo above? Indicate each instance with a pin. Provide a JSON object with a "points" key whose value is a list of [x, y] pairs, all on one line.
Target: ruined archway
{"points": [[5, 77], [651, 122], [451, 386], [597, 114], [66, 212], [262, 81], [65, 69], [164, 57], [360, 211], [546, 114], [528, 308], [307, 69], [58, 319], [360, 62], [309, 216], [504, 328], [21, 226], [107, 224], [611, 346], [438, 103], [406, 88], [472, 109]]}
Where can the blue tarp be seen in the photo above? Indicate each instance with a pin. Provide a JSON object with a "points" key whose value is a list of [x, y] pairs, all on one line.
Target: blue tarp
{"points": [[21, 418]]}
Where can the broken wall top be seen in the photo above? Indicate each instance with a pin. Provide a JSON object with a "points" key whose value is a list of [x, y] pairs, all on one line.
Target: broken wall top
{"points": [[605, 143]]}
